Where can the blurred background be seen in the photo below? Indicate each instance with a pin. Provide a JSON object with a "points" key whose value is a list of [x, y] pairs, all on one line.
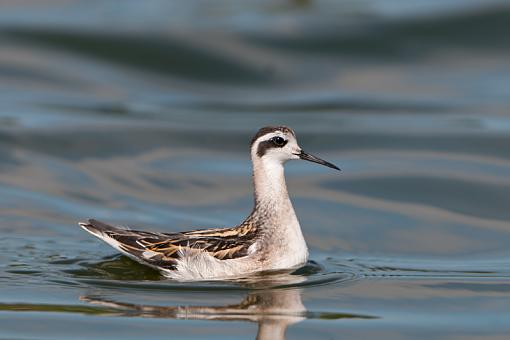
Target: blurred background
{"points": [[141, 112]]}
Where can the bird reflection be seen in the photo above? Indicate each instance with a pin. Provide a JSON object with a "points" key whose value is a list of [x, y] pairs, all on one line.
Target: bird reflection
{"points": [[271, 305], [273, 310], [273, 301]]}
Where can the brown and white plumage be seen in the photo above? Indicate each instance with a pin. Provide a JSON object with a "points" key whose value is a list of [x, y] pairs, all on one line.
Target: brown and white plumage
{"points": [[270, 238], [163, 250]]}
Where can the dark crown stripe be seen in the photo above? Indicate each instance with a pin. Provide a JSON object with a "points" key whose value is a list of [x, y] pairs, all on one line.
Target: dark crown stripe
{"points": [[270, 129]]}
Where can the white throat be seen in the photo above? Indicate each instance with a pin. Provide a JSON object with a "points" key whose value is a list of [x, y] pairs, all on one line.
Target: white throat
{"points": [[269, 182], [273, 206]]}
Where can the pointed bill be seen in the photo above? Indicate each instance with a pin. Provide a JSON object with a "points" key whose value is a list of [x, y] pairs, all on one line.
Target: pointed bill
{"points": [[311, 158]]}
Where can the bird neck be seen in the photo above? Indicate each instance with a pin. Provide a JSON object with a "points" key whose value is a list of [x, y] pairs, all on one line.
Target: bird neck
{"points": [[275, 218], [269, 184]]}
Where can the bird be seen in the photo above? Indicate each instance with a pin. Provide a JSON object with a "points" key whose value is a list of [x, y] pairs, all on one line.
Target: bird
{"points": [[269, 239]]}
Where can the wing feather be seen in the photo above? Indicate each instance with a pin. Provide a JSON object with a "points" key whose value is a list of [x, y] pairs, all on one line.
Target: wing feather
{"points": [[164, 249]]}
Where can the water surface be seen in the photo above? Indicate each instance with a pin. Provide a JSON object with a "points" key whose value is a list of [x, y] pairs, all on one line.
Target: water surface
{"points": [[141, 114]]}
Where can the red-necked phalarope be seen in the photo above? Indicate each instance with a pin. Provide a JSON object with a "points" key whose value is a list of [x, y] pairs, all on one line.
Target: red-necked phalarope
{"points": [[269, 239]]}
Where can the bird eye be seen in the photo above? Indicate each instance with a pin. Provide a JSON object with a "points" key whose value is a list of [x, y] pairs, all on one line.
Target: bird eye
{"points": [[279, 141]]}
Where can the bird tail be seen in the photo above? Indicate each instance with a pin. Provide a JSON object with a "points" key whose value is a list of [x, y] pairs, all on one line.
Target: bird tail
{"points": [[127, 242], [99, 229], [117, 237]]}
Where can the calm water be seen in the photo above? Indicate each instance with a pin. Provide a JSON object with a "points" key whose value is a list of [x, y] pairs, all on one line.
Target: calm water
{"points": [[140, 113]]}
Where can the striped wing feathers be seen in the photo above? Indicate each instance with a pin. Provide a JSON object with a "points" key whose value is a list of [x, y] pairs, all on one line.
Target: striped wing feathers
{"points": [[221, 243], [163, 250]]}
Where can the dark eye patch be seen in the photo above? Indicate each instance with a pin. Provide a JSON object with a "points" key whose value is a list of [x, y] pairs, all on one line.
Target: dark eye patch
{"points": [[279, 141], [275, 142]]}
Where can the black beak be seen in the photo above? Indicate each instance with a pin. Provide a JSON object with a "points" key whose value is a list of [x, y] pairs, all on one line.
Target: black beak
{"points": [[307, 157]]}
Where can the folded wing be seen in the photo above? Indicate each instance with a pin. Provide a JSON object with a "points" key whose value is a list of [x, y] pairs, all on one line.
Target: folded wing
{"points": [[162, 250]]}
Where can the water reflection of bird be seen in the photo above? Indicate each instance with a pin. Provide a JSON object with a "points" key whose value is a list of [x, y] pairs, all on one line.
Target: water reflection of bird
{"points": [[269, 239], [274, 310], [274, 302]]}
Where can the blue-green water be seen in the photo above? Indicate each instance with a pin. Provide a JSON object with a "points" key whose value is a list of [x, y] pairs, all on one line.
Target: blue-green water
{"points": [[140, 113]]}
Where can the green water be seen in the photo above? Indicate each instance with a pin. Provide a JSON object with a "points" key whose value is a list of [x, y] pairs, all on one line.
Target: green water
{"points": [[141, 113]]}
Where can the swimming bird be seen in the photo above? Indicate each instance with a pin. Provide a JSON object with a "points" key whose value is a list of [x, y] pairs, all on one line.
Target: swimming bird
{"points": [[270, 238]]}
